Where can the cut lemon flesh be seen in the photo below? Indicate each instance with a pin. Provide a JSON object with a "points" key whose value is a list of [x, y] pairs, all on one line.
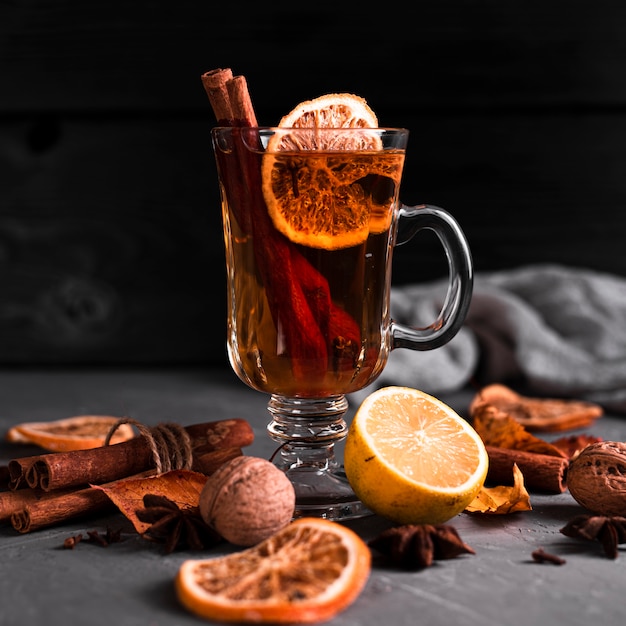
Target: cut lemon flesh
{"points": [[412, 458], [72, 433], [307, 572], [318, 172]]}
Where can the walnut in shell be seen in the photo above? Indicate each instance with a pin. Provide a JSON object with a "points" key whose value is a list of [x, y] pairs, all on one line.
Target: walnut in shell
{"points": [[596, 478], [247, 500]]}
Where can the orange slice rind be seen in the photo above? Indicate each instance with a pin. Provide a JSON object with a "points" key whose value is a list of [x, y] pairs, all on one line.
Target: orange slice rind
{"points": [[307, 572], [72, 433]]}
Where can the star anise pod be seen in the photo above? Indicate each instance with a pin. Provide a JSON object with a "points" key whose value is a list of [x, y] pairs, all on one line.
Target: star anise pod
{"points": [[610, 531], [415, 546], [175, 527]]}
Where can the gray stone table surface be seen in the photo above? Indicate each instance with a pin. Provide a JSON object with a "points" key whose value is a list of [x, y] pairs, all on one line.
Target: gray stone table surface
{"points": [[130, 583]]}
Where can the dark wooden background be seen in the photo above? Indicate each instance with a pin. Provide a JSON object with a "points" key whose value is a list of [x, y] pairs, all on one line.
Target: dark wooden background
{"points": [[110, 238]]}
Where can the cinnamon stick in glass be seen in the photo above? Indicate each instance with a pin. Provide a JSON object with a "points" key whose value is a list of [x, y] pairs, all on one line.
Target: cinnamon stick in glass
{"points": [[214, 83], [58, 470], [240, 102], [297, 294]]}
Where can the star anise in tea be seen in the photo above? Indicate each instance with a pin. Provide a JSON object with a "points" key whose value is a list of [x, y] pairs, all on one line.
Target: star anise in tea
{"points": [[175, 527], [416, 546], [610, 531]]}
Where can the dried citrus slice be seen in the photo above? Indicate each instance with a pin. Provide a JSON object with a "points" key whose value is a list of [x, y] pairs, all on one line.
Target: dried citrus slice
{"points": [[334, 110], [314, 183], [307, 572], [71, 433], [412, 458]]}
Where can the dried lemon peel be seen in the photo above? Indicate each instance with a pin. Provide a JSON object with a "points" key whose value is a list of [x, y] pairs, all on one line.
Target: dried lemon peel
{"points": [[307, 572], [319, 200], [431, 462]]}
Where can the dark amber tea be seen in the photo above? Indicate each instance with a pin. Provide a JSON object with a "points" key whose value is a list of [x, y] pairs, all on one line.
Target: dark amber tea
{"points": [[309, 267]]}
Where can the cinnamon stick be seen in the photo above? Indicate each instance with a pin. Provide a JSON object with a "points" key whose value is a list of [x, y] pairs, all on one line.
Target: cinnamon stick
{"points": [[238, 193], [240, 102], [209, 462], [17, 469], [56, 507], [11, 501], [541, 472], [214, 83], [49, 507], [58, 470]]}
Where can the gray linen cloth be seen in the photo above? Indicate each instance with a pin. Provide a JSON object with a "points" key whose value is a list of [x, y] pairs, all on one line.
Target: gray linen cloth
{"points": [[558, 331]]}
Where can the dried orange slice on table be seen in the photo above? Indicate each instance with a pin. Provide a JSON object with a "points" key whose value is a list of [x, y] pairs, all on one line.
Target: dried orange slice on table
{"points": [[72, 433], [305, 573], [301, 190], [411, 458]]}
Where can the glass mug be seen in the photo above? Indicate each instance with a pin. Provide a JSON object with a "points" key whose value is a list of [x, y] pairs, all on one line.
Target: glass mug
{"points": [[311, 217]]}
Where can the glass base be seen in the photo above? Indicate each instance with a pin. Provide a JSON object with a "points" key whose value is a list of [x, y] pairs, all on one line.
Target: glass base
{"points": [[321, 491], [307, 431]]}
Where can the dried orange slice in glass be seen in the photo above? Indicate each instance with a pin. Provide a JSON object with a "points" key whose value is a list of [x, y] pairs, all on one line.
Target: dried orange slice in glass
{"points": [[311, 172], [307, 572], [411, 458], [72, 433], [334, 110]]}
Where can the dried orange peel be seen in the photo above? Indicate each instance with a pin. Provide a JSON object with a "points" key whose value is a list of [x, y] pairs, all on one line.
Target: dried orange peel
{"points": [[538, 414], [307, 572], [72, 433]]}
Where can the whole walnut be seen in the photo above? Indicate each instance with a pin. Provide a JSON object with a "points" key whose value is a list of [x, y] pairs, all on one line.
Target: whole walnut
{"points": [[596, 478], [247, 500]]}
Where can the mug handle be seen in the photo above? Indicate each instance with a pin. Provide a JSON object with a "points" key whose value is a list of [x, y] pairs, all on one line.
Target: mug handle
{"points": [[412, 219]]}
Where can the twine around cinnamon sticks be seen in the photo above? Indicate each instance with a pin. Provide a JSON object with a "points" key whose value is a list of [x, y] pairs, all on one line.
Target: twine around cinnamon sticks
{"points": [[53, 487]]}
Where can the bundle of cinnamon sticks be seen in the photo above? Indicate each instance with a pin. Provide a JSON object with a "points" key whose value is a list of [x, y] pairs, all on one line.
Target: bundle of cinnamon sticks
{"points": [[50, 488]]}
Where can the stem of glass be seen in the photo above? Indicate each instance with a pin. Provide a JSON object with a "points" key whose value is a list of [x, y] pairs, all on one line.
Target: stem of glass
{"points": [[307, 430]]}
